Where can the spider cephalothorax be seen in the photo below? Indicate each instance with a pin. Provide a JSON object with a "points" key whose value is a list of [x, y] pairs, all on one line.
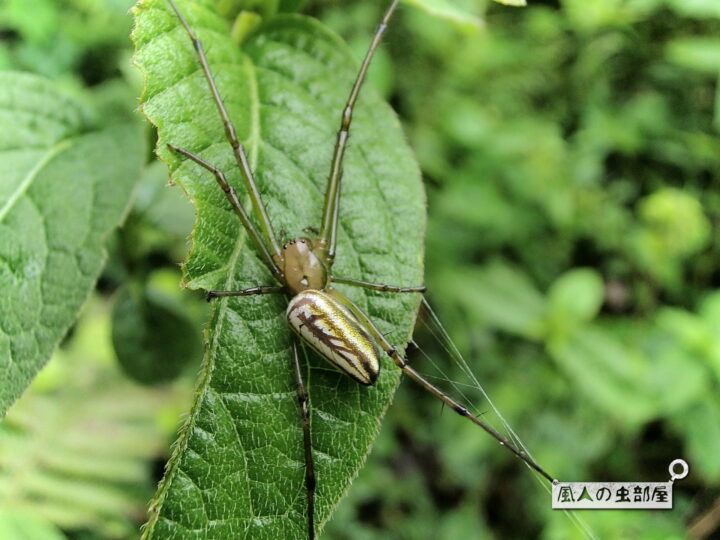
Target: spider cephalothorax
{"points": [[301, 267]]}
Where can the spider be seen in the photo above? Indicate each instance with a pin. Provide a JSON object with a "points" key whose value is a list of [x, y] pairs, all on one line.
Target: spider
{"points": [[320, 315]]}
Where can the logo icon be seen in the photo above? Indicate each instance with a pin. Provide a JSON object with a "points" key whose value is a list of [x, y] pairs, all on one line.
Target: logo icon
{"points": [[619, 495]]}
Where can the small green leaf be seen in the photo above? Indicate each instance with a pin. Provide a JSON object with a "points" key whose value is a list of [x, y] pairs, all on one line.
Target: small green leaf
{"points": [[237, 469], [161, 206], [446, 9], [245, 24], [695, 8], [685, 326], [575, 297], [65, 186], [606, 372], [699, 53], [500, 296], [710, 311], [160, 220], [153, 340], [34, 21]]}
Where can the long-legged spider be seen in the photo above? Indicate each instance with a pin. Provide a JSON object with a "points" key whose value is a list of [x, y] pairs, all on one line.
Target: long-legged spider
{"points": [[321, 316]]}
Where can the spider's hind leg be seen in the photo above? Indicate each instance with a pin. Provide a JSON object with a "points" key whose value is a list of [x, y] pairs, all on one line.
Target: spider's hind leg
{"points": [[303, 404], [262, 289], [402, 363]]}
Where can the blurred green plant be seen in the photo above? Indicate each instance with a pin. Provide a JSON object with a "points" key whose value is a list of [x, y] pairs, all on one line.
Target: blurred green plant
{"points": [[672, 227], [77, 450], [79, 41], [572, 157]]}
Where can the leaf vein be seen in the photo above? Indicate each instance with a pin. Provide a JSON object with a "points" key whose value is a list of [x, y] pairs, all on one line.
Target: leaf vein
{"points": [[31, 175]]}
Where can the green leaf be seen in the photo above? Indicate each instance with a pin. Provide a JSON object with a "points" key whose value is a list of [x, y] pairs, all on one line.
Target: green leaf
{"points": [[65, 187], [606, 372], [498, 295], [590, 15], [160, 206], [695, 8], [446, 9], [153, 340], [574, 298], [35, 22], [77, 449], [699, 53], [577, 293], [710, 311], [701, 427], [237, 469]]}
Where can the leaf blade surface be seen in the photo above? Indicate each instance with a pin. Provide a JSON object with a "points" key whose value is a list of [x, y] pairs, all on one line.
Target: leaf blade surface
{"points": [[65, 186], [237, 469]]}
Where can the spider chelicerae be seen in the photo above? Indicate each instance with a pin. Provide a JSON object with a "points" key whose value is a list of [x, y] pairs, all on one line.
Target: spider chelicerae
{"points": [[320, 315]]}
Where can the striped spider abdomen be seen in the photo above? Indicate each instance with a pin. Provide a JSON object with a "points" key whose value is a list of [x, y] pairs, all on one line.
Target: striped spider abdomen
{"points": [[334, 332]]}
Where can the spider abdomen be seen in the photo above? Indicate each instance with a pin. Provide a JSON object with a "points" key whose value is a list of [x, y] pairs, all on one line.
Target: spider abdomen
{"points": [[334, 332]]}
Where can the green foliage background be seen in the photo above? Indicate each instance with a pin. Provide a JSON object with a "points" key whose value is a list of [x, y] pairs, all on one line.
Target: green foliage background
{"points": [[571, 160]]}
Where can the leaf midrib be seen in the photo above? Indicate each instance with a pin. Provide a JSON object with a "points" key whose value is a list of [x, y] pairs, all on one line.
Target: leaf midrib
{"points": [[32, 174], [252, 143]]}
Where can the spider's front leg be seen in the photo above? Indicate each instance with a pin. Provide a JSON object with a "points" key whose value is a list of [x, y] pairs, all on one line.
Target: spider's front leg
{"points": [[235, 143], [327, 239], [268, 259], [265, 255]]}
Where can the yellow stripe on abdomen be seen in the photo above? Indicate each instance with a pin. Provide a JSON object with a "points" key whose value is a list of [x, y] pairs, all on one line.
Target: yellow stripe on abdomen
{"points": [[333, 332]]}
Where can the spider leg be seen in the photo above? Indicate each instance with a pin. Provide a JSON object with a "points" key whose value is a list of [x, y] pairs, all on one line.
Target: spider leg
{"points": [[237, 147], [263, 289], [377, 286], [328, 231], [303, 404], [237, 207], [434, 390]]}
